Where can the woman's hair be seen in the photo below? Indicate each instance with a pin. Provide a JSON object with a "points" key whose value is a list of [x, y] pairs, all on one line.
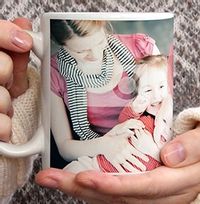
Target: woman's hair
{"points": [[153, 61], [62, 30]]}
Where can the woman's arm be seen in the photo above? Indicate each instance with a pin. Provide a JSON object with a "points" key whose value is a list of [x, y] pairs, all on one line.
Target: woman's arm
{"points": [[113, 144], [69, 148]]}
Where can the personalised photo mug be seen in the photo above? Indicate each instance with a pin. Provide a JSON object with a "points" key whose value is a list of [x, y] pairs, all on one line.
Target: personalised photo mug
{"points": [[107, 91]]}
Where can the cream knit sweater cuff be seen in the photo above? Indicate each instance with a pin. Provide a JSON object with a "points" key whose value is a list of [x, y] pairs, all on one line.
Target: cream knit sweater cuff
{"points": [[14, 172], [187, 120]]}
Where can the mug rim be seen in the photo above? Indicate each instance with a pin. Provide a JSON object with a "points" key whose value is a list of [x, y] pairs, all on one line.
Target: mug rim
{"points": [[120, 16]]}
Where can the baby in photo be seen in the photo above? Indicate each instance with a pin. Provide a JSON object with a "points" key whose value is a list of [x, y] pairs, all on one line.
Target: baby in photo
{"points": [[152, 105]]}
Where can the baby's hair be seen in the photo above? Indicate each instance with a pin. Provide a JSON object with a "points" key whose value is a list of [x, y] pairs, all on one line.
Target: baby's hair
{"points": [[153, 61]]}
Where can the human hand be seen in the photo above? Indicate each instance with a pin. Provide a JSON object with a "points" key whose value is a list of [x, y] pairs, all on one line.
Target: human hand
{"points": [[163, 123], [144, 142], [183, 150], [14, 57], [118, 150], [161, 185], [126, 128], [120, 153], [140, 104]]}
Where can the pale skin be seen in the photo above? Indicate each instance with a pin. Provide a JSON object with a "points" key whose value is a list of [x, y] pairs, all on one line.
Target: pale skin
{"points": [[153, 96], [162, 185], [179, 185], [152, 91], [89, 57], [14, 56]]}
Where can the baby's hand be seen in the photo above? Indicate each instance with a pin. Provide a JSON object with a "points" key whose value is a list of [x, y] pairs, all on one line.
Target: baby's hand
{"points": [[140, 104], [144, 142], [163, 123]]}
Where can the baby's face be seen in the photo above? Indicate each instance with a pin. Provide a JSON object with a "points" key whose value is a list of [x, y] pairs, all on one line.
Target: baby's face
{"points": [[154, 87]]}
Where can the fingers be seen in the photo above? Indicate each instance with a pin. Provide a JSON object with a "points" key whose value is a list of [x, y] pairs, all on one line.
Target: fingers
{"points": [[139, 154], [129, 159], [134, 165], [105, 188], [20, 62], [14, 46], [14, 38], [161, 182], [140, 104], [5, 112], [118, 166], [6, 68], [126, 127], [23, 23], [183, 150], [21, 59], [156, 136], [64, 181], [134, 124], [5, 127], [6, 78], [5, 101], [124, 162]]}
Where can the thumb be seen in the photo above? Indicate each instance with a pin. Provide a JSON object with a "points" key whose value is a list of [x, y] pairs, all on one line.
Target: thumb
{"points": [[183, 150]]}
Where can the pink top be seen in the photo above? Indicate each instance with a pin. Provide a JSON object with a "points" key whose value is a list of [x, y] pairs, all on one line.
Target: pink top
{"points": [[128, 113], [104, 109]]}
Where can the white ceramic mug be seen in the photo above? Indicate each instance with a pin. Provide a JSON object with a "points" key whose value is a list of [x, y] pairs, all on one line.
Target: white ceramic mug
{"points": [[159, 26]]}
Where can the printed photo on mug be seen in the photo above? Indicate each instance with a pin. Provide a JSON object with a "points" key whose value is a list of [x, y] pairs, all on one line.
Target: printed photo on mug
{"points": [[106, 91], [111, 98]]}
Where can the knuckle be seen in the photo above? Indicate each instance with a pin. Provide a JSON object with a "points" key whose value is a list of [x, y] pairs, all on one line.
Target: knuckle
{"points": [[5, 127], [77, 192], [6, 67], [5, 102]]}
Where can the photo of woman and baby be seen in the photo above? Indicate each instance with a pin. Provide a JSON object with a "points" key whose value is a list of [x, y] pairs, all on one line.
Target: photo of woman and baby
{"points": [[111, 94]]}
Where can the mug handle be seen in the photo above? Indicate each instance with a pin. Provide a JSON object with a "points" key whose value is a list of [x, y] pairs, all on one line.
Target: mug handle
{"points": [[36, 144], [33, 146], [37, 43]]}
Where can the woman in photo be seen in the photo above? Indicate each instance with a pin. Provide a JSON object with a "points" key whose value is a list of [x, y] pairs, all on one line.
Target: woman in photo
{"points": [[90, 80], [152, 91]]}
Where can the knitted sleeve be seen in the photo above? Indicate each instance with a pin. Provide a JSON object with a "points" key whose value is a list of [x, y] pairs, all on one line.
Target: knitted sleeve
{"points": [[187, 120], [15, 172]]}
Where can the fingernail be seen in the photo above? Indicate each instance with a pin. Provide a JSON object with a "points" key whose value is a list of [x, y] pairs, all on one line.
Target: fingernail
{"points": [[21, 39], [175, 154]]}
